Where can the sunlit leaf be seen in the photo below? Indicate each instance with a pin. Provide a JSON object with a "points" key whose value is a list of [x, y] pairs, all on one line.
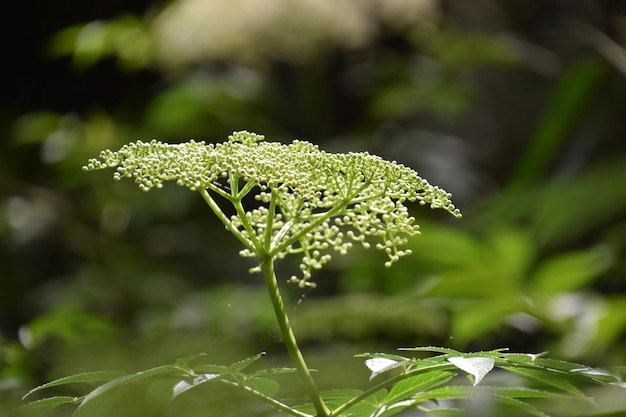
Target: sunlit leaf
{"points": [[476, 366], [380, 365], [184, 386]]}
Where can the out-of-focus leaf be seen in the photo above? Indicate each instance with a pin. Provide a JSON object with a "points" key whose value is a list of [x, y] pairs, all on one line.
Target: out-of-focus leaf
{"points": [[566, 103], [439, 96], [511, 252], [480, 317], [68, 325], [445, 246], [35, 127], [611, 326], [566, 209], [572, 270], [125, 37]]}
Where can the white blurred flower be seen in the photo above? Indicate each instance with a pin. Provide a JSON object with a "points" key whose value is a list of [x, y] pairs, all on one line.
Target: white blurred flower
{"points": [[294, 31]]}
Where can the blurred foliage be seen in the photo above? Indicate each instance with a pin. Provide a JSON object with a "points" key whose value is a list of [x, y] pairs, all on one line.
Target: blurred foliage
{"points": [[515, 108]]}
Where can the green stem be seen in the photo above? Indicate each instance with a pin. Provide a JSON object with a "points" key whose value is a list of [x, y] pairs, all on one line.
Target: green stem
{"points": [[274, 403], [229, 225], [267, 265], [278, 244]]}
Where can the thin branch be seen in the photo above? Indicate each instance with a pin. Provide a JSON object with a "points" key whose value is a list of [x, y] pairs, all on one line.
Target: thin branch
{"points": [[271, 401], [229, 225]]}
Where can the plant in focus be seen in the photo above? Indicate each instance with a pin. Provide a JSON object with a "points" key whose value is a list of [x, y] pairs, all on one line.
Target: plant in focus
{"points": [[312, 204]]}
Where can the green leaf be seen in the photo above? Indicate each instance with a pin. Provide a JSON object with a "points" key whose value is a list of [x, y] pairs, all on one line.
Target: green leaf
{"points": [[478, 367], [520, 392], [184, 361], [504, 395], [445, 393], [571, 271], [558, 364], [447, 412], [413, 384], [396, 358], [363, 408], [210, 369], [96, 376], [242, 364], [520, 405], [274, 371], [600, 376], [483, 316], [381, 365], [50, 402], [433, 349], [567, 101], [160, 370], [546, 377], [520, 358], [184, 386], [265, 386]]}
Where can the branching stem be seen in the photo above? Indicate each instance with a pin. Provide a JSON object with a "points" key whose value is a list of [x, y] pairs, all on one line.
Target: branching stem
{"points": [[229, 225]]}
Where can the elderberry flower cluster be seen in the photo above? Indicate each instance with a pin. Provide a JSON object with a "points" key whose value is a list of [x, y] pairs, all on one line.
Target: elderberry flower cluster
{"points": [[310, 202]]}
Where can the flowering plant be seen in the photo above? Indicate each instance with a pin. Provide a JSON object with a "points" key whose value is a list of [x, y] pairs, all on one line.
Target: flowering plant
{"points": [[311, 203]]}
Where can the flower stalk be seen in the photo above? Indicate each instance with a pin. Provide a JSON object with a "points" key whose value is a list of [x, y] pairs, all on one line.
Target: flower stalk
{"points": [[267, 266]]}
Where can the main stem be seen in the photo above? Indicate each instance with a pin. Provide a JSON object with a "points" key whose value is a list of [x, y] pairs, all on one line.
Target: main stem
{"points": [[267, 266]]}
